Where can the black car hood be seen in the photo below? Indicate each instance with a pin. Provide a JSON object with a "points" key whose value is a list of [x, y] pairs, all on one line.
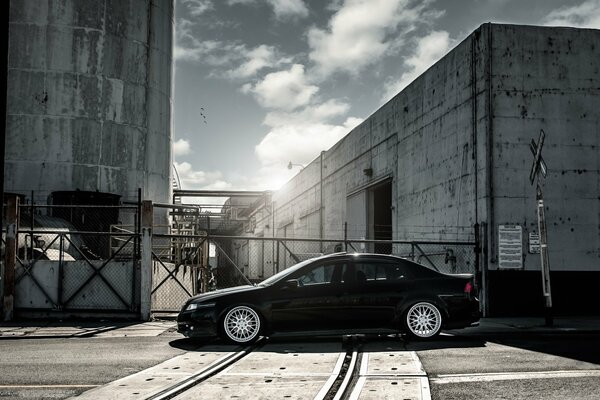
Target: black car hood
{"points": [[200, 298]]}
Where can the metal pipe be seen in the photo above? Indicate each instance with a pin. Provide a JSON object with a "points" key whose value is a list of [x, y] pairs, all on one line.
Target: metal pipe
{"points": [[321, 205], [4, 43], [220, 193]]}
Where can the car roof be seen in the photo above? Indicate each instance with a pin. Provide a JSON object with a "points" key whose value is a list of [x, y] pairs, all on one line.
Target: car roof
{"points": [[360, 255]]}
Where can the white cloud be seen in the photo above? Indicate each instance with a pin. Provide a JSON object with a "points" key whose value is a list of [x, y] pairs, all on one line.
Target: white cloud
{"points": [[231, 60], [198, 7], [234, 2], [289, 8], [257, 59], [429, 49], [283, 9], [584, 15], [200, 180], [300, 143], [286, 90], [181, 147], [210, 52], [361, 32], [322, 112]]}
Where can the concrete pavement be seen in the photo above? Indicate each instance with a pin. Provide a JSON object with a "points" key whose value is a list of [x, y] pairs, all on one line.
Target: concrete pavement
{"points": [[532, 325], [68, 329], [106, 328]]}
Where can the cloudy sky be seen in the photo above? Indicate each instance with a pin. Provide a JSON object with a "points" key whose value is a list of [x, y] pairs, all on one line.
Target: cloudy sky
{"points": [[260, 83]]}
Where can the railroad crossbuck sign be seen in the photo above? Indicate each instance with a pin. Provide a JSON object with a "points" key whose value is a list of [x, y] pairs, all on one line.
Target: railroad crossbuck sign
{"points": [[539, 166]]}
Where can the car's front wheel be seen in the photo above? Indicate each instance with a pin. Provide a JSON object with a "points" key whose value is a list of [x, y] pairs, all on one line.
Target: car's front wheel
{"points": [[423, 320], [241, 324]]}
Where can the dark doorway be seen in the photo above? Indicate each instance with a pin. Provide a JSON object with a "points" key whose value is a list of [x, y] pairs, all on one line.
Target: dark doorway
{"points": [[380, 216]]}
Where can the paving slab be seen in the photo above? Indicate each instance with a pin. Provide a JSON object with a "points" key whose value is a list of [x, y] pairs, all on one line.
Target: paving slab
{"points": [[277, 371], [289, 359], [389, 373], [257, 388], [391, 363], [388, 388], [155, 379]]}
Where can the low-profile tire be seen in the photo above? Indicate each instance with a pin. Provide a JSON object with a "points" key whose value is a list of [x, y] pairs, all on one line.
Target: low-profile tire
{"points": [[241, 325], [423, 320]]}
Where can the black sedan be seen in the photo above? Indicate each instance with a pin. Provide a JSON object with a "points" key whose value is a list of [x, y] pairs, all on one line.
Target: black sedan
{"points": [[339, 293]]}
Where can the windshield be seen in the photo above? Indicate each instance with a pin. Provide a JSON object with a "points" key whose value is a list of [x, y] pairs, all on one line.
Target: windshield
{"points": [[282, 274]]}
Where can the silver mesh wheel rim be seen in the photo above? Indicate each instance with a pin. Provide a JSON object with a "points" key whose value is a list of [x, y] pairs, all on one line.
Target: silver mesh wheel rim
{"points": [[424, 320], [241, 324]]}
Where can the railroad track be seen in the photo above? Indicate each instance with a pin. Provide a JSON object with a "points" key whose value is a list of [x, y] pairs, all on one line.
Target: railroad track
{"points": [[296, 371]]}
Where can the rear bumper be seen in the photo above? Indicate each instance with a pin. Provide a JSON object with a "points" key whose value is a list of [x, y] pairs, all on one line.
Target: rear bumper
{"points": [[463, 314]]}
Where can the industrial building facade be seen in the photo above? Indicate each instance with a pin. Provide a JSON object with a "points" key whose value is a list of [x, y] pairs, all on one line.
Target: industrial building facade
{"points": [[450, 155], [89, 98]]}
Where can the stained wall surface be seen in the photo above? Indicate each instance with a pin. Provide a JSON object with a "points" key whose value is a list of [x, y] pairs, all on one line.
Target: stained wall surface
{"points": [[89, 97], [455, 145], [548, 78], [425, 140]]}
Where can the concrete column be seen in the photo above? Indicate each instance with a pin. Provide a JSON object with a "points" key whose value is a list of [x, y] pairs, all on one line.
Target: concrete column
{"points": [[146, 266], [12, 221]]}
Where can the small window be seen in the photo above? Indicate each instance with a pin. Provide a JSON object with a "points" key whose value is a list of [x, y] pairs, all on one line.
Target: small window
{"points": [[370, 271], [374, 271], [396, 272], [319, 275]]}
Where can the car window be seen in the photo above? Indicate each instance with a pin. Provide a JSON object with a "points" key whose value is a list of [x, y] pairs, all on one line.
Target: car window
{"points": [[365, 271], [397, 271], [378, 271], [319, 275]]}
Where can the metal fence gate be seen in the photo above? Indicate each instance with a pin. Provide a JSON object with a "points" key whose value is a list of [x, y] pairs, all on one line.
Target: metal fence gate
{"points": [[72, 259]]}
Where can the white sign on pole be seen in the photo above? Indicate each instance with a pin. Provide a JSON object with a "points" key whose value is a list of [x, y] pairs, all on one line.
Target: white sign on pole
{"points": [[534, 243], [510, 246]]}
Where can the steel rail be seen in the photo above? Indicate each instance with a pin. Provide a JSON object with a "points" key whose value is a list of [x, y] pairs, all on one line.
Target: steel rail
{"points": [[350, 372], [211, 370]]}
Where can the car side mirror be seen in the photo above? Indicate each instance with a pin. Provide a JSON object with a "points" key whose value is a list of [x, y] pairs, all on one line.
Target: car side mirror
{"points": [[291, 284]]}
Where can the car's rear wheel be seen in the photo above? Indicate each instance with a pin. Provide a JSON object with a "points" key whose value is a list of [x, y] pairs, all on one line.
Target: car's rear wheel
{"points": [[423, 320], [241, 324]]}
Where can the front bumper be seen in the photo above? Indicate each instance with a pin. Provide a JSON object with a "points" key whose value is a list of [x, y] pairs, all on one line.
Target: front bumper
{"points": [[197, 324]]}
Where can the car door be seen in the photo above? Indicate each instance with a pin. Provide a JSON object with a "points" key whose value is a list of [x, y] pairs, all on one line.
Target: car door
{"points": [[314, 303], [378, 288]]}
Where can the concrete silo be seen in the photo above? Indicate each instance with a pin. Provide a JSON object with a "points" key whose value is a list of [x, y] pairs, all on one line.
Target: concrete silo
{"points": [[89, 97]]}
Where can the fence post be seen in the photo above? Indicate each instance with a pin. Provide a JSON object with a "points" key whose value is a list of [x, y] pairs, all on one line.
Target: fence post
{"points": [[146, 260], [12, 222], [346, 237]]}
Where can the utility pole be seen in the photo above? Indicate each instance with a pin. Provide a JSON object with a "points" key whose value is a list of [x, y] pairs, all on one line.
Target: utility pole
{"points": [[539, 166]]}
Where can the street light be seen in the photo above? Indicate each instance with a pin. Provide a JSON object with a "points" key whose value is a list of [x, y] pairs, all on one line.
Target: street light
{"points": [[290, 165]]}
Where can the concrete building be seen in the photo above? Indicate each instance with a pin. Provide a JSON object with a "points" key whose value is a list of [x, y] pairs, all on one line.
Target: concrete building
{"points": [[89, 97], [452, 150]]}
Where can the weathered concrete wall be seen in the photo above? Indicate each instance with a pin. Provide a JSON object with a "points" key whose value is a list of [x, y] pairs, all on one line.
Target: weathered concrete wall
{"points": [[423, 141], [548, 78], [456, 145], [89, 103]]}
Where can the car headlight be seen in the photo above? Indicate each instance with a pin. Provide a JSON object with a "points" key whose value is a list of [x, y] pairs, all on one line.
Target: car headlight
{"points": [[196, 306]]}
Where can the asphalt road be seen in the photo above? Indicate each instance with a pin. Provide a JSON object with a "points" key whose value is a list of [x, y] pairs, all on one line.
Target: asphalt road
{"points": [[61, 368], [561, 366], [564, 366]]}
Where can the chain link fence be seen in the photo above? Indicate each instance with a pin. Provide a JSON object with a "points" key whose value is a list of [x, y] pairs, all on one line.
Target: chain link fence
{"points": [[178, 267], [77, 258], [243, 260]]}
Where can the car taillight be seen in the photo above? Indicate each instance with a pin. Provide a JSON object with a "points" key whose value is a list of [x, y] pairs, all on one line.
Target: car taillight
{"points": [[468, 288]]}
